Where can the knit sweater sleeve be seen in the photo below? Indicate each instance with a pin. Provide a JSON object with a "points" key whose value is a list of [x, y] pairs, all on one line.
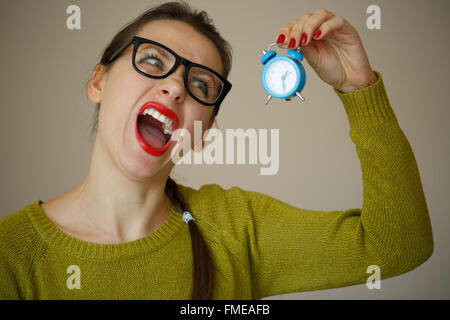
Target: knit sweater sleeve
{"points": [[293, 250], [16, 253]]}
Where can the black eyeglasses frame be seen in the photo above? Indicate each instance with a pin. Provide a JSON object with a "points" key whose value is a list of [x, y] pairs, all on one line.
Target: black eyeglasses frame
{"points": [[137, 41]]}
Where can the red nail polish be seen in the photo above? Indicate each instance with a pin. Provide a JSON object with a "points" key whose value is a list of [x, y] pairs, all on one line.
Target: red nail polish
{"points": [[281, 39], [291, 43], [317, 34], [303, 39]]}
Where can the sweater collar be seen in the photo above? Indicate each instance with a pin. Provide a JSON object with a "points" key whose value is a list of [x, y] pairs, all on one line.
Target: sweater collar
{"points": [[57, 239]]}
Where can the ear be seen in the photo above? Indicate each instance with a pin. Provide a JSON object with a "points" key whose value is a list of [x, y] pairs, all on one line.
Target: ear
{"points": [[96, 84]]}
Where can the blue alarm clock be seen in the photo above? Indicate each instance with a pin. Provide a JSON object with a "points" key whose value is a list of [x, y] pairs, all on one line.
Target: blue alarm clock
{"points": [[283, 77]]}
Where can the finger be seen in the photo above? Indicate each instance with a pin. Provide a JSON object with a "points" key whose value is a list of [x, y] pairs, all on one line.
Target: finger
{"points": [[310, 26], [283, 34], [336, 23], [296, 29]]}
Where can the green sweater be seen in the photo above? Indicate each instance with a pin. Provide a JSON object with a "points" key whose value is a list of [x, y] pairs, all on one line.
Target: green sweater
{"points": [[260, 246]]}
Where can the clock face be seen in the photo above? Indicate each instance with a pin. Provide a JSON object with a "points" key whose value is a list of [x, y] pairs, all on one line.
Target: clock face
{"points": [[281, 77]]}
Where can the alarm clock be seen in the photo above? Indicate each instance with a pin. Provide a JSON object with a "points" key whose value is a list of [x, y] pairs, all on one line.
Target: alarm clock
{"points": [[283, 77]]}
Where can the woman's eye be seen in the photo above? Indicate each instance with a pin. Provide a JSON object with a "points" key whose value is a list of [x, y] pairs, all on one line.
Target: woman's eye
{"points": [[201, 85], [153, 61]]}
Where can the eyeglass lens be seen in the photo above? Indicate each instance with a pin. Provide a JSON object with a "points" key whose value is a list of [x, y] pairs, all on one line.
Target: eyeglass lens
{"points": [[156, 61]]}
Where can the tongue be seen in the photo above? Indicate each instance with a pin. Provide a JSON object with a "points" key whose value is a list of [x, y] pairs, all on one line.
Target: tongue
{"points": [[150, 133]]}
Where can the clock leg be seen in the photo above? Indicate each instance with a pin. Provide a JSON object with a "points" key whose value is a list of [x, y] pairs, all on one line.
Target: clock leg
{"points": [[300, 96], [268, 99]]}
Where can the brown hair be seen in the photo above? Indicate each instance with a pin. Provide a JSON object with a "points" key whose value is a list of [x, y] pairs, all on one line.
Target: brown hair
{"points": [[203, 275]]}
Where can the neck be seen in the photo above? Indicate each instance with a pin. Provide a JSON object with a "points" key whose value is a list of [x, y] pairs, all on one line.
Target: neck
{"points": [[119, 207]]}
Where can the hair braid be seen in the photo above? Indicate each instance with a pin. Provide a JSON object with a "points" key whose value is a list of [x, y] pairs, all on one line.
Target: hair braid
{"points": [[203, 271]]}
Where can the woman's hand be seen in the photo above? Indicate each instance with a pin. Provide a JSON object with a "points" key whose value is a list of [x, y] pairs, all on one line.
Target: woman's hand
{"points": [[332, 47]]}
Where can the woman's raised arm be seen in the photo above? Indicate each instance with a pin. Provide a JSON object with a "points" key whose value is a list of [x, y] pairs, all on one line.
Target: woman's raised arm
{"points": [[289, 249]]}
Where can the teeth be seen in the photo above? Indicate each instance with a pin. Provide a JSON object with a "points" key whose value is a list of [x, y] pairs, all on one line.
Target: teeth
{"points": [[161, 117], [168, 123], [167, 130]]}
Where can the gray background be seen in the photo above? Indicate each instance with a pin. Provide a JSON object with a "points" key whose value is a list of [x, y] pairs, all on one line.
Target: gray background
{"points": [[45, 113]]}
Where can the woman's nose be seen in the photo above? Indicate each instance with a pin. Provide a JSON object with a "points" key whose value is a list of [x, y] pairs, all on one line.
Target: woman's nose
{"points": [[172, 87]]}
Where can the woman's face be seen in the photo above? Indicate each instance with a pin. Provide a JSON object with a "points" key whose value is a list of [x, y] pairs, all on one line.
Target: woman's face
{"points": [[122, 92]]}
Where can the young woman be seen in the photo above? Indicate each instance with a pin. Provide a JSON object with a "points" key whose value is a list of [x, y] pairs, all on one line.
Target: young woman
{"points": [[129, 231]]}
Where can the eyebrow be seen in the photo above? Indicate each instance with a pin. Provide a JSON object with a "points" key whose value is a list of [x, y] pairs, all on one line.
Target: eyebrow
{"points": [[163, 52]]}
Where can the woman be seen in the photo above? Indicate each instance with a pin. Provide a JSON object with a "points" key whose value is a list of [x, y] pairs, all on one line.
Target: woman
{"points": [[129, 231]]}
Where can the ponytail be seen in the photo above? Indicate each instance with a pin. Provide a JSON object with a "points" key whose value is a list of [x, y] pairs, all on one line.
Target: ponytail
{"points": [[203, 272]]}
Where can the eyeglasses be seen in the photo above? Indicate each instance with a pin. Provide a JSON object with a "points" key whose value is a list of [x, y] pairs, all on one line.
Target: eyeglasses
{"points": [[154, 60]]}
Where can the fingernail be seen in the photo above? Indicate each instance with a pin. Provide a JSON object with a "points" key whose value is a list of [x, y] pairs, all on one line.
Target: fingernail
{"points": [[291, 43], [303, 39], [281, 39], [317, 34]]}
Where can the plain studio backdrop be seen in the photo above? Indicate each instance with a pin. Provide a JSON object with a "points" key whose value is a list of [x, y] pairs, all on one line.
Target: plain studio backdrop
{"points": [[46, 115]]}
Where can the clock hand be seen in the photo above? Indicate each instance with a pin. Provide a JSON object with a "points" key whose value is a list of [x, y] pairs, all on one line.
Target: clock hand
{"points": [[283, 77]]}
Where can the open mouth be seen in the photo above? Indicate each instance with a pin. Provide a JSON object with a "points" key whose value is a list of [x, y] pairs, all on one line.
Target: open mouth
{"points": [[154, 127]]}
